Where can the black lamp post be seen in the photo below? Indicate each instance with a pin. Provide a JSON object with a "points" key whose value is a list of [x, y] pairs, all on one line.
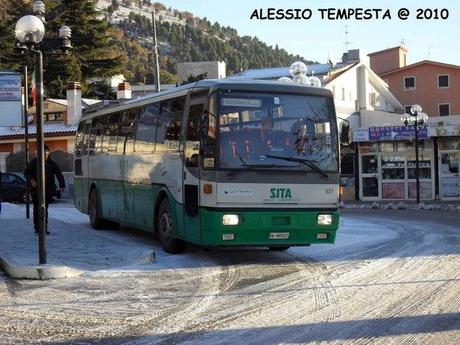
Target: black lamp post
{"points": [[417, 118], [26, 133], [30, 31], [22, 50]]}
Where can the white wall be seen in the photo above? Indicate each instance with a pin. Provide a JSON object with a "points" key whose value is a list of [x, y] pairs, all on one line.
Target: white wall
{"points": [[10, 113], [214, 69], [347, 82], [371, 118], [3, 156]]}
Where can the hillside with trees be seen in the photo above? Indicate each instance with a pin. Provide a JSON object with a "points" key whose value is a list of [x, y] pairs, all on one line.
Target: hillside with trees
{"points": [[115, 36], [185, 38]]}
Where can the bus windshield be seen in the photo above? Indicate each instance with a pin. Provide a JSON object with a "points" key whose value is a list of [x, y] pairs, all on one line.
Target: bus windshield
{"points": [[261, 129]]}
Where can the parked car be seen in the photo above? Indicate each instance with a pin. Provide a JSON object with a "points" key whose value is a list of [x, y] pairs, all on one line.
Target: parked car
{"points": [[13, 187]]}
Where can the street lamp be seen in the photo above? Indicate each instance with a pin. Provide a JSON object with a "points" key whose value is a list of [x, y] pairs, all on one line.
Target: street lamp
{"points": [[30, 31], [416, 118], [298, 71]]}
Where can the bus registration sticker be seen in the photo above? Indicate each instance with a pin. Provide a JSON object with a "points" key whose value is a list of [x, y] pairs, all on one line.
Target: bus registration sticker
{"points": [[278, 235]]}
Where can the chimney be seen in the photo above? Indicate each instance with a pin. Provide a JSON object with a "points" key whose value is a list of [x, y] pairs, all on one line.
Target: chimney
{"points": [[388, 59], [124, 91], [73, 102], [352, 55]]}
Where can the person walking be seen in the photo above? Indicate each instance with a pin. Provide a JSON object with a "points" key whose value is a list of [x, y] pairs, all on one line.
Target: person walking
{"points": [[52, 169]]}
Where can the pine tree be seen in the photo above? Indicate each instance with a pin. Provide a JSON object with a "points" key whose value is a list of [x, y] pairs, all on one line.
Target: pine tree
{"points": [[96, 50], [96, 44]]}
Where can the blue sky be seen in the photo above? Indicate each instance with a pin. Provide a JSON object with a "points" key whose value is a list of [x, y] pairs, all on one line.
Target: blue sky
{"points": [[316, 38]]}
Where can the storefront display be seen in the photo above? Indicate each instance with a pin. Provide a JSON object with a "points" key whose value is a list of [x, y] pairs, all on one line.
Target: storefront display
{"points": [[449, 160], [387, 164], [388, 170]]}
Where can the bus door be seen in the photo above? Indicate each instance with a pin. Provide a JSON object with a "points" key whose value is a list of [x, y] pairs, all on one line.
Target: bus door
{"points": [[81, 166], [192, 169], [125, 194]]}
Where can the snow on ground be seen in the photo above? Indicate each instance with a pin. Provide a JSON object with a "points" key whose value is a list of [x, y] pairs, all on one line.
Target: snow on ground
{"points": [[71, 242], [392, 278]]}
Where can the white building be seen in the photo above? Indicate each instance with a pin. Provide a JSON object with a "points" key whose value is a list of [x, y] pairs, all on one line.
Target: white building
{"points": [[212, 69]]}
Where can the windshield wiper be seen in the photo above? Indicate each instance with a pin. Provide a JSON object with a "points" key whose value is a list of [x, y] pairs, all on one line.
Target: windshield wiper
{"points": [[308, 162], [252, 166], [266, 166]]}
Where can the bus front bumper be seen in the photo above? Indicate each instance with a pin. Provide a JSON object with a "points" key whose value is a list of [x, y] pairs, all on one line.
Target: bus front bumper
{"points": [[267, 227]]}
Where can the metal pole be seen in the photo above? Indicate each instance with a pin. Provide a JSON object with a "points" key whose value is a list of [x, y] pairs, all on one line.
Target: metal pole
{"points": [[40, 159], [26, 132], [417, 179], [155, 52]]}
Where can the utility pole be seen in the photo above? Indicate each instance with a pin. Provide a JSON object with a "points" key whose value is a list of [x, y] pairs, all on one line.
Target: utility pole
{"points": [[156, 75]]}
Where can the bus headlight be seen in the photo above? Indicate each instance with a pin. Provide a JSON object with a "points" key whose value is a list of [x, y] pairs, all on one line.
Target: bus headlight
{"points": [[324, 219], [230, 219]]}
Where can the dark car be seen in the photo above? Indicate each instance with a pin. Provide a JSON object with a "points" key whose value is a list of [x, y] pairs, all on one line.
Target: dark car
{"points": [[13, 187]]}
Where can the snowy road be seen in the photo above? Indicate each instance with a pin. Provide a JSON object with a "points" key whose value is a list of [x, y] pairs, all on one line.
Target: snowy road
{"points": [[392, 278]]}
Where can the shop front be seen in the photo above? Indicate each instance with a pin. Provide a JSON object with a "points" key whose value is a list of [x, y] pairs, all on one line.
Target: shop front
{"points": [[447, 137], [387, 164]]}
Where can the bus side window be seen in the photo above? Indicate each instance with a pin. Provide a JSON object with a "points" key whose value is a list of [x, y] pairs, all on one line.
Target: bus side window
{"points": [[79, 139], [105, 135], [113, 124], [93, 135], [192, 144], [169, 124], [125, 143], [146, 129], [86, 136], [98, 126]]}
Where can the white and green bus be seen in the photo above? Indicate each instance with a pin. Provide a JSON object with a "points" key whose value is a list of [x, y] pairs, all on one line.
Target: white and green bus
{"points": [[218, 162]]}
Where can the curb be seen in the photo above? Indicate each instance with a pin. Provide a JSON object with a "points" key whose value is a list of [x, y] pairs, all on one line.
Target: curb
{"points": [[400, 206], [46, 272], [38, 272]]}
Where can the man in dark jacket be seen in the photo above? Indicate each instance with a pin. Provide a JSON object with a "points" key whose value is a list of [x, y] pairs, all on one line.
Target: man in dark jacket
{"points": [[51, 170]]}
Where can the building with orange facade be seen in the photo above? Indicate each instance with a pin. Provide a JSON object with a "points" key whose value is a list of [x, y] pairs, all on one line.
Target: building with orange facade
{"points": [[436, 87]]}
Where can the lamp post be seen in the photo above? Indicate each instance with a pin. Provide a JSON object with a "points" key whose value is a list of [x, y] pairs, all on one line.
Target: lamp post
{"points": [[30, 31], [22, 49], [417, 118], [26, 133]]}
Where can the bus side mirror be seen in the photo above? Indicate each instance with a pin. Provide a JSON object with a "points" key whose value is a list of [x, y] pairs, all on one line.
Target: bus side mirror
{"points": [[345, 134], [203, 126]]}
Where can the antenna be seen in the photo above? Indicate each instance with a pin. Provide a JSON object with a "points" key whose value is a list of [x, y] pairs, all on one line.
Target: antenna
{"points": [[403, 42], [346, 38]]}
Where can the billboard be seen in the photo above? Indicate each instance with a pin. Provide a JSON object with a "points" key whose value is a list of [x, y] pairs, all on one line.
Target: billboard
{"points": [[10, 99]]}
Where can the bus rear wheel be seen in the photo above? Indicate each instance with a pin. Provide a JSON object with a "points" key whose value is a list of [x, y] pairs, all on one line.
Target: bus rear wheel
{"points": [[96, 221], [166, 232], [279, 248]]}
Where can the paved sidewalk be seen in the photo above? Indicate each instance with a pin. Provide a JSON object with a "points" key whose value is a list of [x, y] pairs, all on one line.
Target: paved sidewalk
{"points": [[402, 205], [73, 248]]}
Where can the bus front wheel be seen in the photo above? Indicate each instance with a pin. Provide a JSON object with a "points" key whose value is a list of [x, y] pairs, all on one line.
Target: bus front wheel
{"points": [[96, 221], [166, 231]]}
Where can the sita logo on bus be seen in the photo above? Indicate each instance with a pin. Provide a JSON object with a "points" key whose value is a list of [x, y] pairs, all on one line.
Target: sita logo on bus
{"points": [[280, 193]]}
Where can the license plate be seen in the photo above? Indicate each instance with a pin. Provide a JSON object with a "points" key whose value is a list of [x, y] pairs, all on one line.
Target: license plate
{"points": [[278, 235]]}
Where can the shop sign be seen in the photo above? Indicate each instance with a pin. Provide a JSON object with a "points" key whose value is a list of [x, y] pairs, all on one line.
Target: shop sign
{"points": [[444, 131], [392, 133], [360, 135], [10, 87]]}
